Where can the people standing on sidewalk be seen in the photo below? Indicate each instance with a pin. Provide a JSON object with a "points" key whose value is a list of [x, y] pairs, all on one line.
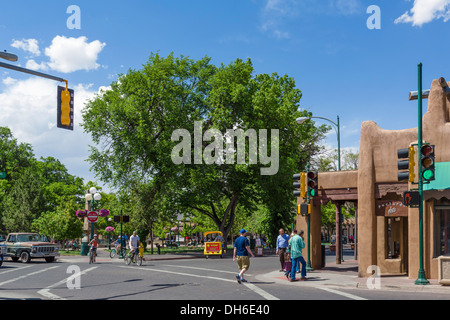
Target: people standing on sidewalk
{"points": [[297, 266], [295, 251], [241, 254], [282, 244]]}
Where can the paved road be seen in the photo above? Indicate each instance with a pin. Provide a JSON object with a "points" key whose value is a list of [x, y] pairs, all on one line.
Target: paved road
{"points": [[201, 280]]}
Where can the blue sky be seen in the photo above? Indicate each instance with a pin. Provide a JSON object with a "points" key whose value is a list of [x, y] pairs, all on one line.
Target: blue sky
{"points": [[342, 67]]}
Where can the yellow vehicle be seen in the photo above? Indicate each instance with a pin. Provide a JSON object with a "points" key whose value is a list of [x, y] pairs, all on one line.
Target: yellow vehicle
{"points": [[213, 244]]}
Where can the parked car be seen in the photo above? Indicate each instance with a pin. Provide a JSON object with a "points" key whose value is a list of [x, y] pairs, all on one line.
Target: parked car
{"points": [[2, 253], [27, 246]]}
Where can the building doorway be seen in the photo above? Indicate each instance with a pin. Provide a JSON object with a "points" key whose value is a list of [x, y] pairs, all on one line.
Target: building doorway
{"points": [[397, 241], [442, 227]]}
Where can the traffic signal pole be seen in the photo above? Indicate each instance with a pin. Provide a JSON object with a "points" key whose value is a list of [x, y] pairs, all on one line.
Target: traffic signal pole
{"points": [[32, 72], [421, 279], [308, 223]]}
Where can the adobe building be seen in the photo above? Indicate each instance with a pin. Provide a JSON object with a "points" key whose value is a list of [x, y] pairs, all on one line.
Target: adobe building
{"points": [[387, 231]]}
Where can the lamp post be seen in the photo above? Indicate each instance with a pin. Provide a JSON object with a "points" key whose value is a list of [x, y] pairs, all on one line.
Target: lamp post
{"points": [[92, 196], [338, 131], [337, 127], [109, 234]]}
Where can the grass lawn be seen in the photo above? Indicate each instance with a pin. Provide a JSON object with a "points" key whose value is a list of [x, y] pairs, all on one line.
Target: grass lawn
{"points": [[69, 252]]}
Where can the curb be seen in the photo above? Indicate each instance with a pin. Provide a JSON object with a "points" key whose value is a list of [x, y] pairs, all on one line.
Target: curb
{"points": [[335, 280]]}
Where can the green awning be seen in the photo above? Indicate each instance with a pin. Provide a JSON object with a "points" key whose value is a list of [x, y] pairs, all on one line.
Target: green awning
{"points": [[442, 173]]}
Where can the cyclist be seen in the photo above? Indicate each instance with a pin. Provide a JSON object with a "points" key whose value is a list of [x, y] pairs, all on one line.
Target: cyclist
{"points": [[134, 244], [94, 243]]}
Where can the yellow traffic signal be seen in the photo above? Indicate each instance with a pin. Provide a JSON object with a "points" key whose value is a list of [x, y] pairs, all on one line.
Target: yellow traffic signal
{"points": [[303, 184], [411, 163], [65, 105], [65, 108]]}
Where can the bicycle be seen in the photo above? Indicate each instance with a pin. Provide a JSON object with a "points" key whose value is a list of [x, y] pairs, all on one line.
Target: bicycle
{"points": [[91, 255], [114, 251], [135, 257]]}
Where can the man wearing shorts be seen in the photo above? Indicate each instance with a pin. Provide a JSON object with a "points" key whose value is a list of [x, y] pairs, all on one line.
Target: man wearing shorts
{"points": [[240, 253]]}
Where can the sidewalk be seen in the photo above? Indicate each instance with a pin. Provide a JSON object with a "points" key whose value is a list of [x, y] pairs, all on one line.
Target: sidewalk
{"points": [[345, 275]]}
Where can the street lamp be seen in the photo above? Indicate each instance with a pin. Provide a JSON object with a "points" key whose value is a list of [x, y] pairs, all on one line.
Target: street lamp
{"points": [[92, 196], [8, 56], [109, 237], [301, 120]]}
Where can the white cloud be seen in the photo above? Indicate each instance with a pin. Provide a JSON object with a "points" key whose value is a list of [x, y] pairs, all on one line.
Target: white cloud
{"points": [[73, 54], [33, 65], [347, 7], [29, 45], [275, 12], [68, 55], [9, 80], [424, 11]]}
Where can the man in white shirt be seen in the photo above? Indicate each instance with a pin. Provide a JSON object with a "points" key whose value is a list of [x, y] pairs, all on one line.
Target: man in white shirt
{"points": [[134, 243]]}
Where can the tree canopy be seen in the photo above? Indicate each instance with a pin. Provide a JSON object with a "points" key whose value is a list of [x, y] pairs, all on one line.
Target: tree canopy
{"points": [[136, 126]]}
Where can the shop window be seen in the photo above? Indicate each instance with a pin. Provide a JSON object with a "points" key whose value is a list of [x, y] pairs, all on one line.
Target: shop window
{"points": [[442, 228]]}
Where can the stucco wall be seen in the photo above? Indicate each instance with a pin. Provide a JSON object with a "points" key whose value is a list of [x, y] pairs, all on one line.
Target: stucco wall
{"points": [[378, 163]]}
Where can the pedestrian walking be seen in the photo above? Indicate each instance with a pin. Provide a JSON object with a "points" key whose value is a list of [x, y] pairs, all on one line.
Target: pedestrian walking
{"points": [[295, 251], [297, 266], [241, 254], [282, 244]]}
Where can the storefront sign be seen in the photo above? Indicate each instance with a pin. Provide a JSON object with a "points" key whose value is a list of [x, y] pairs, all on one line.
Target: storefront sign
{"points": [[391, 208]]}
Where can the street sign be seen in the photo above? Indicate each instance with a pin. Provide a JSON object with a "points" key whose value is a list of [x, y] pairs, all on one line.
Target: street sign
{"points": [[92, 216], [411, 198], [2, 175]]}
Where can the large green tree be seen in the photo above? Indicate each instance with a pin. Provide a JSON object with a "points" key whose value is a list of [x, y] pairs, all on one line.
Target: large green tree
{"points": [[32, 187], [136, 126]]}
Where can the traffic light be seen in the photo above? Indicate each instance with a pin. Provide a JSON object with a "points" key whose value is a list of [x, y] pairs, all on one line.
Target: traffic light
{"points": [[65, 108], [427, 161], [301, 185], [409, 164], [313, 184], [304, 209], [411, 198]]}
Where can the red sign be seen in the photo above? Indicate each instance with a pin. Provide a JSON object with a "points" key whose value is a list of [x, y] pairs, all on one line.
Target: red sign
{"points": [[92, 216], [213, 247]]}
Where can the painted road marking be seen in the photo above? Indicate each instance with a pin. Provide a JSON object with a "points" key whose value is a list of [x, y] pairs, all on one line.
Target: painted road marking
{"points": [[252, 287], [15, 269], [205, 269], [348, 295], [26, 275]]}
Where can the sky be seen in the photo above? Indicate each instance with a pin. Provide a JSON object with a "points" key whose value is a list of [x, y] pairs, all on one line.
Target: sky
{"points": [[348, 58]]}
